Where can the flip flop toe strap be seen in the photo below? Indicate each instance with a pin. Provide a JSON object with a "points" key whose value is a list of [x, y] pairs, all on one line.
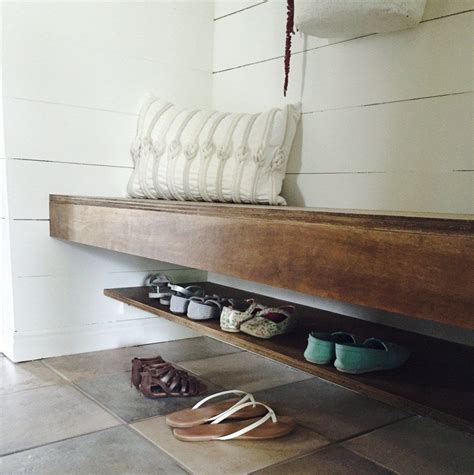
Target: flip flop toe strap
{"points": [[245, 398], [269, 415]]}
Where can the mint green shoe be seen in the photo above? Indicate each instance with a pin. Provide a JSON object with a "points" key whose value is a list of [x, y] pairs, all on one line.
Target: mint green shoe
{"points": [[372, 355], [321, 346]]}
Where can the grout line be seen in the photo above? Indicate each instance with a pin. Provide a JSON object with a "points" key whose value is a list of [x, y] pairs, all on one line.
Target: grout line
{"points": [[336, 443], [155, 446], [241, 10], [64, 104], [326, 46], [57, 441], [84, 393], [373, 429], [163, 449], [40, 160], [18, 391]]}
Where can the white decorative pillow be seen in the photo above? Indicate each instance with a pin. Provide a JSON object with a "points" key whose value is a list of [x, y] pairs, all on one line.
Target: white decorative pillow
{"points": [[198, 155]]}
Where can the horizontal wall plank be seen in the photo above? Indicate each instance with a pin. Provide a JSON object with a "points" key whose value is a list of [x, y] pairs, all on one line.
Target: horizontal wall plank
{"points": [[71, 134], [160, 31], [66, 73], [227, 7], [258, 34], [411, 192], [31, 182], [431, 134], [63, 258], [140, 330], [440, 8], [380, 68], [45, 303]]}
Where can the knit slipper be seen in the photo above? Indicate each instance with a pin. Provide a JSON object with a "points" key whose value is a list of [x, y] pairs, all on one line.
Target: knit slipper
{"points": [[198, 415], [263, 428], [321, 347], [372, 355]]}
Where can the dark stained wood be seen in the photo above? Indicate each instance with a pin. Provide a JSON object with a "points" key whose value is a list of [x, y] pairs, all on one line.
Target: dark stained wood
{"points": [[437, 381], [412, 265]]}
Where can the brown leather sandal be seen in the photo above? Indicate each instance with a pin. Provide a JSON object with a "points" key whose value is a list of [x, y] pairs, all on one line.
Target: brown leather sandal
{"points": [[140, 364], [164, 380]]}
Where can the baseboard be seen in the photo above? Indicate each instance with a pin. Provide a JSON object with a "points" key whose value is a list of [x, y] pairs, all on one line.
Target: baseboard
{"points": [[25, 346]]}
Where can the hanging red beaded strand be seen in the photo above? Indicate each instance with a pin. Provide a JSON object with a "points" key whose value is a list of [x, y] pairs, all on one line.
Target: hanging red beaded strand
{"points": [[289, 31]]}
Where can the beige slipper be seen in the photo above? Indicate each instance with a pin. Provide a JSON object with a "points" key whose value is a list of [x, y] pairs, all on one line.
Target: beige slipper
{"points": [[198, 415], [263, 428]]}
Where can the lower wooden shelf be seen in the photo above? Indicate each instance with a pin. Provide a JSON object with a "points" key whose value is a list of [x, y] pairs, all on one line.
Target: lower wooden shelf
{"points": [[437, 381]]}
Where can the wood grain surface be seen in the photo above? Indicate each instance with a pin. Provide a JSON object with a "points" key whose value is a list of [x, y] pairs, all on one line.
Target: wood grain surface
{"points": [[437, 380], [421, 266]]}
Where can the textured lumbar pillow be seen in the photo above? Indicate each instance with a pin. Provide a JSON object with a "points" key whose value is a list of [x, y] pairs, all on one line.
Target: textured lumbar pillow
{"points": [[199, 155]]}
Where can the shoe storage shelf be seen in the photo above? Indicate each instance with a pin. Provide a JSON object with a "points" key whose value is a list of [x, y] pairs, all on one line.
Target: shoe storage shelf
{"points": [[420, 266]]}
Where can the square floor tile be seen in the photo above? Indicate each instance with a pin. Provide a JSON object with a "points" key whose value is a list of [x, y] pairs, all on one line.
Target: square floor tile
{"points": [[119, 450], [231, 457], [418, 445], [21, 376], [117, 394], [190, 349], [101, 363], [40, 416], [244, 371], [94, 364], [333, 460], [333, 411]]}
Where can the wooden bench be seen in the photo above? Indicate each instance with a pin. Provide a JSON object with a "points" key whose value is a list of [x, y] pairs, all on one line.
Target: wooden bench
{"points": [[420, 266]]}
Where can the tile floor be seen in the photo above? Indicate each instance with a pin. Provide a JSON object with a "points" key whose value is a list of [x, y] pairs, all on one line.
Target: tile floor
{"points": [[79, 414]]}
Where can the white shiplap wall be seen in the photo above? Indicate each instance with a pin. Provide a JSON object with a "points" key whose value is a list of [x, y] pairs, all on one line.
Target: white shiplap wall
{"points": [[387, 119], [73, 74]]}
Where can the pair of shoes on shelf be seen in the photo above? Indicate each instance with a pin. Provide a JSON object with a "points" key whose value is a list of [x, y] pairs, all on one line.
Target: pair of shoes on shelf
{"points": [[351, 355], [235, 316], [179, 298], [156, 378], [182, 297], [193, 301], [254, 319], [236, 418], [159, 288]]}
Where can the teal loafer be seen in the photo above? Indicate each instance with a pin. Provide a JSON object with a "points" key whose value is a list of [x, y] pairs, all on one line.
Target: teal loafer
{"points": [[321, 346], [372, 355]]}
